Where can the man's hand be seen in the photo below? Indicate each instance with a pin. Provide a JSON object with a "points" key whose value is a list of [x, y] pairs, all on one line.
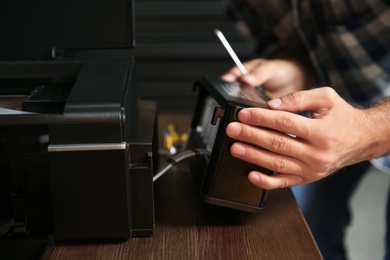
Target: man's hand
{"points": [[299, 149], [278, 76]]}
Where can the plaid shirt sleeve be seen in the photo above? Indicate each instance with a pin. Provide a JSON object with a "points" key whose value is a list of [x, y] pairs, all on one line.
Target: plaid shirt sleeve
{"points": [[348, 41], [382, 164]]}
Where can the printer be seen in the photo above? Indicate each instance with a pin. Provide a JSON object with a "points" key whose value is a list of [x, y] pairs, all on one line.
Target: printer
{"points": [[78, 147]]}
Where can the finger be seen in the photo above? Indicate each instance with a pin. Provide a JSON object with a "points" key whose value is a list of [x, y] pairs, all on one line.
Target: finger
{"points": [[270, 140], [233, 75], [252, 64], [281, 121], [256, 73], [269, 160], [259, 72], [276, 181], [307, 100]]}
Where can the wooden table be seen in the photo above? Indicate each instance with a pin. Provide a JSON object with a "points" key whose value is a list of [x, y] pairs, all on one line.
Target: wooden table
{"points": [[187, 228]]}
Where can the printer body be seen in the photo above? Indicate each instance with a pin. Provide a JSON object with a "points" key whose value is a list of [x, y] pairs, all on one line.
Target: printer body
{"points": [[77, 144]]}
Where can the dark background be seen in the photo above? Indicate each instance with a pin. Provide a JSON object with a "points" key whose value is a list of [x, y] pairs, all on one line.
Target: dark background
{"points": [[172, 41], [176, 44]]}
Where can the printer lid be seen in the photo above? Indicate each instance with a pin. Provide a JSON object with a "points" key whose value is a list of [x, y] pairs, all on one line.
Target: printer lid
{"points": [[37, 29]]}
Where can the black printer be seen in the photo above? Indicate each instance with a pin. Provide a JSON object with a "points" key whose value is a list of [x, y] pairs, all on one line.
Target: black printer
{"points": [[77, 144]]}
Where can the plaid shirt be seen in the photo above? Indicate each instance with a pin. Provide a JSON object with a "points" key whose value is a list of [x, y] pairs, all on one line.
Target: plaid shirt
{"points": [[346, 41]]}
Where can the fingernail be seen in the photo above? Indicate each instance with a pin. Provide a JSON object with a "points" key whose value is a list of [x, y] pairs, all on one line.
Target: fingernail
{"points": [[244, 114], [239, 149], [254, 177], [235, 129], [228, 77], [277, 102]]}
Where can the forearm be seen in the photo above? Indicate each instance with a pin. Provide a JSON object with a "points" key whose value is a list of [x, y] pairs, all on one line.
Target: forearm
{"points": [[378, 129]]}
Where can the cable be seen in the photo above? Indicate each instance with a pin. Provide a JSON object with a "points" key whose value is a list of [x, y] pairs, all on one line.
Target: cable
{"points": [[179, 157]]}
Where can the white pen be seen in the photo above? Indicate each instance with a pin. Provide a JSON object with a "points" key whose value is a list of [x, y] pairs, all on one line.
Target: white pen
{"points": [[231, 52]]}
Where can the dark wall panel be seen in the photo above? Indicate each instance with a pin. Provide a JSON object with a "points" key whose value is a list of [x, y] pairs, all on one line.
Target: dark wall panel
{"points": [[176, 44]]}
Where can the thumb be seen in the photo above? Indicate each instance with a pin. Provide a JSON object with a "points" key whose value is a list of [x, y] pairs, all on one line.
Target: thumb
{"points": [[306, 100]]}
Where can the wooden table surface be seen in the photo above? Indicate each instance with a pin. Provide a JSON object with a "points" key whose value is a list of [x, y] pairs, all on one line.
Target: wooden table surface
{"points": [[188, 228]]}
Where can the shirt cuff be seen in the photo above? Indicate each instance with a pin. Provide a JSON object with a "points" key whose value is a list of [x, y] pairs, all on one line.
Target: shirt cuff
{"points": [[382, 164]]}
